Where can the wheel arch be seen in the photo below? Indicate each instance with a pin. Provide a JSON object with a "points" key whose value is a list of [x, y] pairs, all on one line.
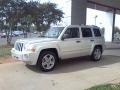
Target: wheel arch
{"points": [[100, 46], [54, 50]]}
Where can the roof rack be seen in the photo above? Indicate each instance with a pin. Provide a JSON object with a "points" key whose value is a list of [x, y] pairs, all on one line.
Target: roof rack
{"points": [[94, 25]]}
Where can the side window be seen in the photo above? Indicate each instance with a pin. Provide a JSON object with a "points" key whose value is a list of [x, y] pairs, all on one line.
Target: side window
{"points": [[96, 32], [86, 32], [72, 33]]}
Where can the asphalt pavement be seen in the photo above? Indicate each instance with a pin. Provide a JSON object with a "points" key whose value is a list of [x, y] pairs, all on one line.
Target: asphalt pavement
{"points": [[78, 74]]}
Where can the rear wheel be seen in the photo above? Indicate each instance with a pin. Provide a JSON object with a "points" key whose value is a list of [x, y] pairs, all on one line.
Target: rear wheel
{"points": [[47, 61], [96, 54]]}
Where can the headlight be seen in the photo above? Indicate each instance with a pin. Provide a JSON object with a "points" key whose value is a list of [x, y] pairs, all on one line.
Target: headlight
{"points": [[30, 48], [33, 49]]}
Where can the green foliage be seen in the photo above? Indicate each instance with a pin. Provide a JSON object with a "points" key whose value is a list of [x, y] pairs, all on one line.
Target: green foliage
{"points": [[106, 87], [14, 12], [116, 30], [43, 15], [10, 12], [4, 51]]}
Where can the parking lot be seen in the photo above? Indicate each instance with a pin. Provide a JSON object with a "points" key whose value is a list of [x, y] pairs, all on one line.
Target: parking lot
{"points": [[3, 41], [77, 74]]}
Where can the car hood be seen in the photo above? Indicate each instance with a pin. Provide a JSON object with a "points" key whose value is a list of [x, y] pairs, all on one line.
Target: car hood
{"points": [[36, 40]]}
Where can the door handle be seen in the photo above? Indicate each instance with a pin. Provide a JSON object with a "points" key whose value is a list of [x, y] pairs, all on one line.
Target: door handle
{"points": [[77, 41], [92, 40]]}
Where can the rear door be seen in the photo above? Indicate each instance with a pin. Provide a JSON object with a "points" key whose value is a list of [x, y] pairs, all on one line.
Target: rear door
{"points": [[87, 40], [98, 35]]}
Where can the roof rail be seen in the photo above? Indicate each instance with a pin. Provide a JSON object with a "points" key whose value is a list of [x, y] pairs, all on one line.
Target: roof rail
{"points": [[94, 25]]}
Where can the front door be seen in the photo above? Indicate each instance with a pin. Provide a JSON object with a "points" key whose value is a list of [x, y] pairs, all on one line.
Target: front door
{"points": [[70, 46]]}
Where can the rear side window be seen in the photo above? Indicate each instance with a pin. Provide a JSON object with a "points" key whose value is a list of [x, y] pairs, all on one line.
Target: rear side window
{"points": [[97, 32], [86, 32], [73, 33]]}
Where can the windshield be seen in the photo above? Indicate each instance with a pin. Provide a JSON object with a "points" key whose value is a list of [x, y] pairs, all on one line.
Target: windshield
{"points": [[53, 32]]}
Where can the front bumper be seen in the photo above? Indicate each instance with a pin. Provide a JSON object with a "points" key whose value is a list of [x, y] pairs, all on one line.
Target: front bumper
{"points": [[27, 57]]}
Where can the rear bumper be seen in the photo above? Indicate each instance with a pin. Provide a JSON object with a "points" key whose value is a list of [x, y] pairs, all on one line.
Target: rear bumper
{"points": [[27, 57]]}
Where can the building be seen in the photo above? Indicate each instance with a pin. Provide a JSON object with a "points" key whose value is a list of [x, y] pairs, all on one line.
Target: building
{"points": [[103, 13]]}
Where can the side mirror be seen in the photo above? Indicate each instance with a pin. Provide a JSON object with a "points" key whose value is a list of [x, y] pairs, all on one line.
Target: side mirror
{"points": [[65, 36]]}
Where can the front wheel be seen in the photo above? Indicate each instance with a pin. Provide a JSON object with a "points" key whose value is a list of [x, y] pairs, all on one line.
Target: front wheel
{"points": [[47, 61], [96, 54]]}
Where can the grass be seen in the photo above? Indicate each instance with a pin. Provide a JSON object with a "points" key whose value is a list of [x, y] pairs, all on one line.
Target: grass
{"points": [[106, 87], [5, 51]]}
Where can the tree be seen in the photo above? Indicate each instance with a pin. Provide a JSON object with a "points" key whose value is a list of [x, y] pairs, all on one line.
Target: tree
{"points": [[13, 12], [43, 15], [10, 11], [1, 25], [50, 15]]}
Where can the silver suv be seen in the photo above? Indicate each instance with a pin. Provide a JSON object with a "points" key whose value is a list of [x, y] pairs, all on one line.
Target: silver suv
{"points": [[60, 43]]}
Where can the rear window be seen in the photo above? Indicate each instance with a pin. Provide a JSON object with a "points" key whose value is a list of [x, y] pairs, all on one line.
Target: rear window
{"points": [[96, 32]]}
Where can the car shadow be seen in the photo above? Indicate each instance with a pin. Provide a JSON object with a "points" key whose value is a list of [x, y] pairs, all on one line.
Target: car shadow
{"points": [[83, 63]]}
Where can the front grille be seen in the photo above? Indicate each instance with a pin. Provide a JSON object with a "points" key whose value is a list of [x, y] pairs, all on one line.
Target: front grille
{"points": [[19, 46]]}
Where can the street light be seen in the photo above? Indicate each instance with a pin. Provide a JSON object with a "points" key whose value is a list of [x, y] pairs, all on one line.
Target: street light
{"points": [[96, 18]]}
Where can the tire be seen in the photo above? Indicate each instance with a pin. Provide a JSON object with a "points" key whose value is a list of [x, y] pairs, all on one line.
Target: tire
{"points": [[47, 61], [96, 54]]}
